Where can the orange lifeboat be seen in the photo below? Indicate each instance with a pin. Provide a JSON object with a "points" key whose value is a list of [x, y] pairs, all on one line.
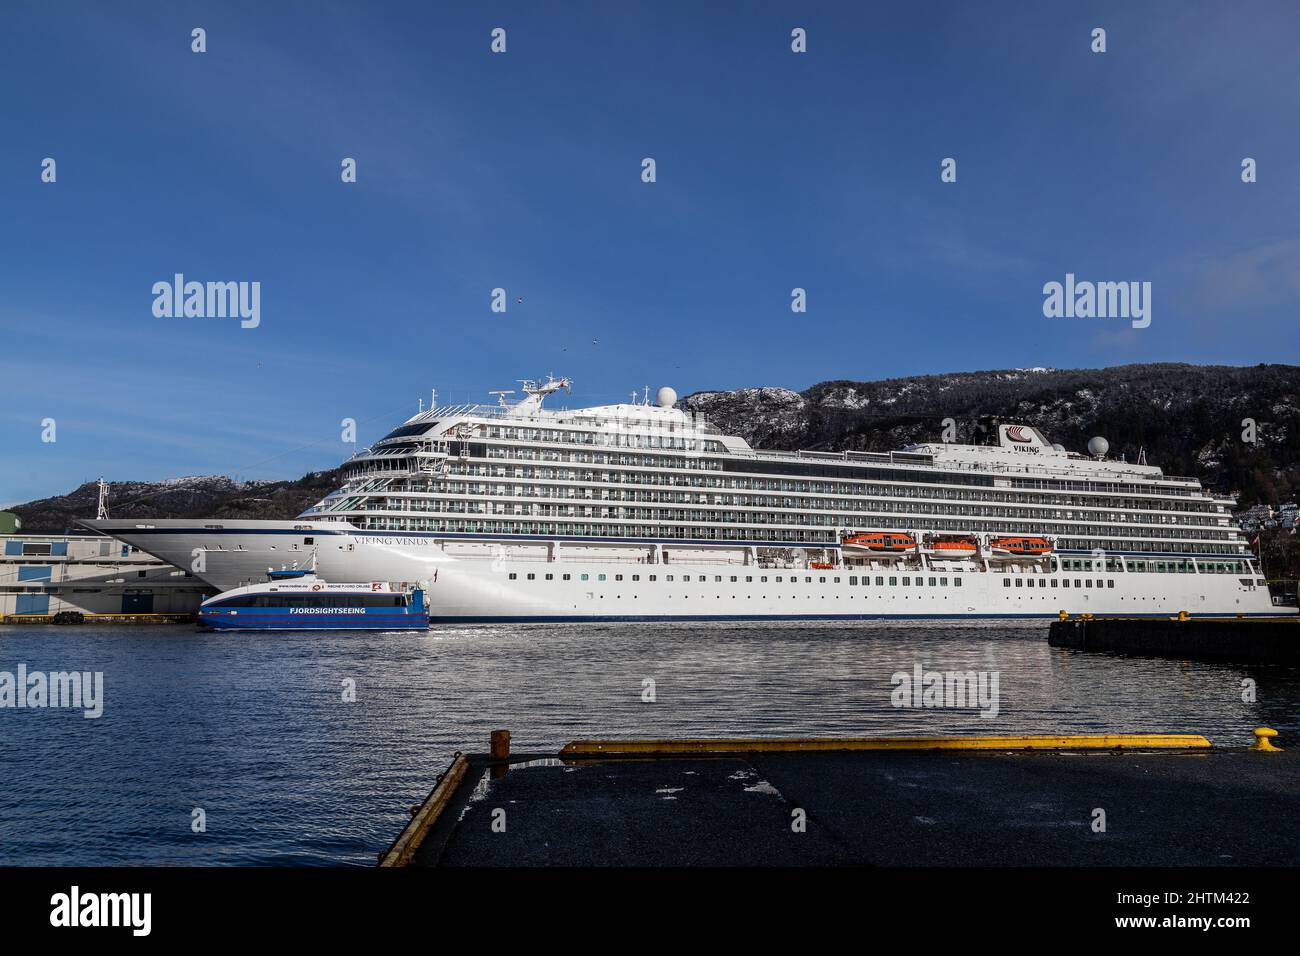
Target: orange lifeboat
{"points": [[954, 545], [1019, 544], [821, 566], [879, 542]]}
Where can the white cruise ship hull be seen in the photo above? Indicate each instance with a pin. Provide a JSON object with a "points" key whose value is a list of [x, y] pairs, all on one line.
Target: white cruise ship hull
{"points": [[473, 579]]}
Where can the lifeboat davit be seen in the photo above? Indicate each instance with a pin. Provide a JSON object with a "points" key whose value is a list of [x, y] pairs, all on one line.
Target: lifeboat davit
{"points": [[879, 542], [954, 546], [1018, 544]]}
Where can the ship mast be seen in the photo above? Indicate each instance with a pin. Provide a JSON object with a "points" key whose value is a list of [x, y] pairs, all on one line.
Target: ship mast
{"points": [[101, 508]]}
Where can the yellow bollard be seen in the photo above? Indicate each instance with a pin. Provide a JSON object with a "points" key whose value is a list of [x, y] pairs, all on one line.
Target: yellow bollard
{"points": [[1063, 615], [1184, 616], [1262, 741], [500, 745]]}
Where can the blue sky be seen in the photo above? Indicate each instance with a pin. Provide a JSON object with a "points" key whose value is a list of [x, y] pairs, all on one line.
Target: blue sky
{"points": [[522, 171]]}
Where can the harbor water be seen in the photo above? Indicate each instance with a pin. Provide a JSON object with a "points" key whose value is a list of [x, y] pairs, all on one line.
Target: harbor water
{"points": [[302, 748]]}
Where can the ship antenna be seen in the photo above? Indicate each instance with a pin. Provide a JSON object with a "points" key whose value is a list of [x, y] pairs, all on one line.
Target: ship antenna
{"points": [[101, 508]]}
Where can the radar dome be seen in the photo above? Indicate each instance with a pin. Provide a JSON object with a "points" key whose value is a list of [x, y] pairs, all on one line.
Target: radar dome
{"points": [[1097, 447], [667, 397], [1057, 446]]}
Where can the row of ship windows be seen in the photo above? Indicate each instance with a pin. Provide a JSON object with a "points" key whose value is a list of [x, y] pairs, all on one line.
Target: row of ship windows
{"points": [[749, 579], [659, 461], [894, 580], [620, 512], [757, 483], [615, 439], [728, 532], [1151, 498]]}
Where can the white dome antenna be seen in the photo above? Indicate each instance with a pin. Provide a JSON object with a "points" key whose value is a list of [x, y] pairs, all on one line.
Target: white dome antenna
{"points": [[1097, 447], [666, 397]]}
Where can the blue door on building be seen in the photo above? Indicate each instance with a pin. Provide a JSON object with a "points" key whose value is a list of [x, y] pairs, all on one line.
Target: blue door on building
{"points": [[137, 603], [33, 604]]}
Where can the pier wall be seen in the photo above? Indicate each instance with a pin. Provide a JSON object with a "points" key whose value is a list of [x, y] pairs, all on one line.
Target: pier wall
{"points": [[1239, 640]]}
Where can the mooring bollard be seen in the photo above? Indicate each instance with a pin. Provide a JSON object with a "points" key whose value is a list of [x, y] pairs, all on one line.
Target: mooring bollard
{"points": [[1263, 741], [500, 748], [499, 751]]}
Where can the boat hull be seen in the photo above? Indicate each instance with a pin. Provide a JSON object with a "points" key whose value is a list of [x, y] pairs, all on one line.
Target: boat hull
{"points": [[494, 584]]}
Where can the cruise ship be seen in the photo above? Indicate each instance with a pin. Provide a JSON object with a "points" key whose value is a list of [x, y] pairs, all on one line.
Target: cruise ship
{"points": [[642, 511]]}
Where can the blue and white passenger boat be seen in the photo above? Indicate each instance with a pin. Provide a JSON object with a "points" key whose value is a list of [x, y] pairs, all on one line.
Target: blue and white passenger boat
{"points": [[296, 600]]}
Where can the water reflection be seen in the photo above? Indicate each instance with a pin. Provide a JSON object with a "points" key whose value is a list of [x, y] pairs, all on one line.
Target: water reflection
{"points": [[254, 728]]}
